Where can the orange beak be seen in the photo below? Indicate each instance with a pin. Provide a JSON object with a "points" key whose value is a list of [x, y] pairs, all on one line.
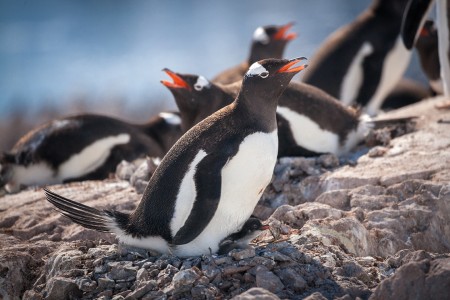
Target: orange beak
{"points": [[265, 227], [424, 32], [287, 67], [281, 33], [177, 83]]}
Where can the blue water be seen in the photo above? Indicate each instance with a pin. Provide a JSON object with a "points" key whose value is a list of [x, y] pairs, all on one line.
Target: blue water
{"points": [[54, 51]]}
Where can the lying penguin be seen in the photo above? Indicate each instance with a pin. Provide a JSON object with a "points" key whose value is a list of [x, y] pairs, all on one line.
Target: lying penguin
{"points": [[268, 42], [83, 147], [310, 121], [208, 184]]}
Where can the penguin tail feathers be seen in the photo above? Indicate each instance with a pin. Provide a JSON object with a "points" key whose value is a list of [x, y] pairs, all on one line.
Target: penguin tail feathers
{"points": [[377, 124], [88, 217]]}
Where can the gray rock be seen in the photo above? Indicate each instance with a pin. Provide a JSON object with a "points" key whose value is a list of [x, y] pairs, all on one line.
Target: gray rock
{"points": [[316, 296], [62, 288], [208, 292], [105, 283], [185, 277], [122, 270], [86, 284], [328, 160], [292, 279], [143, 289], [256, 293], [268, 280], [239, 254], [424, 279], [337, 199]]}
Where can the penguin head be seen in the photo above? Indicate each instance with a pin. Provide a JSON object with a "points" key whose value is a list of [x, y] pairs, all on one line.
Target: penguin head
{"points": [[427, 36], [195, 96], [268, 78], [253, 225], [270, 41]]}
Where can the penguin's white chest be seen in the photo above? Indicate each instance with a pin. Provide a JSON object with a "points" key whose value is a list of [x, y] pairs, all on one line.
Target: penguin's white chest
{"points": [[308, 134], [244, 178]]}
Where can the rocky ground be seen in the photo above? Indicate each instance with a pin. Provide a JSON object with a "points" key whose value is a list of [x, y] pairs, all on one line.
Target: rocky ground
{"points": [[372, 225]]}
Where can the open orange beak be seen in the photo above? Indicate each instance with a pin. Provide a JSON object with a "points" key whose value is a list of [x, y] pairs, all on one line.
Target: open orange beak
{"points": [[287, 67], [282, 33], [177, 83]]}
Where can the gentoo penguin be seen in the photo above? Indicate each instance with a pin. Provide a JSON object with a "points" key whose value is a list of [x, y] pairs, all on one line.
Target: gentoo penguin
{"points": [[427, 47], [208, 184], [413, 21], [241, 239], [310, 121], [267, 42], [83, 147], [193, 93], [361, 62]]}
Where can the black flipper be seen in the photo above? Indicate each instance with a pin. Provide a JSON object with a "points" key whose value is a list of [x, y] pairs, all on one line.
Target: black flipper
{"points": [[413, 20], [208, 181], [86, 216]]}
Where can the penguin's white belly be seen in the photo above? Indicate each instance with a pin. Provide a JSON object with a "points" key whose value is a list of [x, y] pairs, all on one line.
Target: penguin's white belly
{"points": [[394, 66], [353, 79], [91, 157], [244, 178], [308, 133]]}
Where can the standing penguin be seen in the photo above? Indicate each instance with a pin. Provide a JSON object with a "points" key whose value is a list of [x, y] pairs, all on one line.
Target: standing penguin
{"points": [[267, 42], [83, 147], [414, 20], [310, 122], [209, 183], [361, 62]]}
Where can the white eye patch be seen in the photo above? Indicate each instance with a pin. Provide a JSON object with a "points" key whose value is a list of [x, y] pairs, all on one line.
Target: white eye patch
{"points": [[257, 70], [201, 83], [261, 36]]}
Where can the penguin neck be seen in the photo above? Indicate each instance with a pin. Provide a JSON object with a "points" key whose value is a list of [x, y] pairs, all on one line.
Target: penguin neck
{"points": [[261, 110]]}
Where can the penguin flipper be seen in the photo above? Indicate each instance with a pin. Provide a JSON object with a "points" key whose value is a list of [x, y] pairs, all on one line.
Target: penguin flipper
{"points": [[208, 181], [81, 214], [413, 19]]}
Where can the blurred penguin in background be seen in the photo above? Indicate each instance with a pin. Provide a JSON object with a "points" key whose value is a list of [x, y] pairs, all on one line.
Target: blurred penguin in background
{"points": [[363, 61]]}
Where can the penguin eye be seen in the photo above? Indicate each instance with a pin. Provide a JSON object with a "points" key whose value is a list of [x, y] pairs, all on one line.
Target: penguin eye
{"points": [[264, 74], [198, 87]]}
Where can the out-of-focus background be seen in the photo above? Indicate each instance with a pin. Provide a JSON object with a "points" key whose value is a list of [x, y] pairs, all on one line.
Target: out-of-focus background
{"points": [[64, 57]]}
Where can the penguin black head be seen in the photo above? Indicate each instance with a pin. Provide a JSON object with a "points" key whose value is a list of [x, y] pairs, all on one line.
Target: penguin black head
{"points": [[270, 41], [268, 78], [413, 20], [428, 34], [253, 225], [195, 97]]}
